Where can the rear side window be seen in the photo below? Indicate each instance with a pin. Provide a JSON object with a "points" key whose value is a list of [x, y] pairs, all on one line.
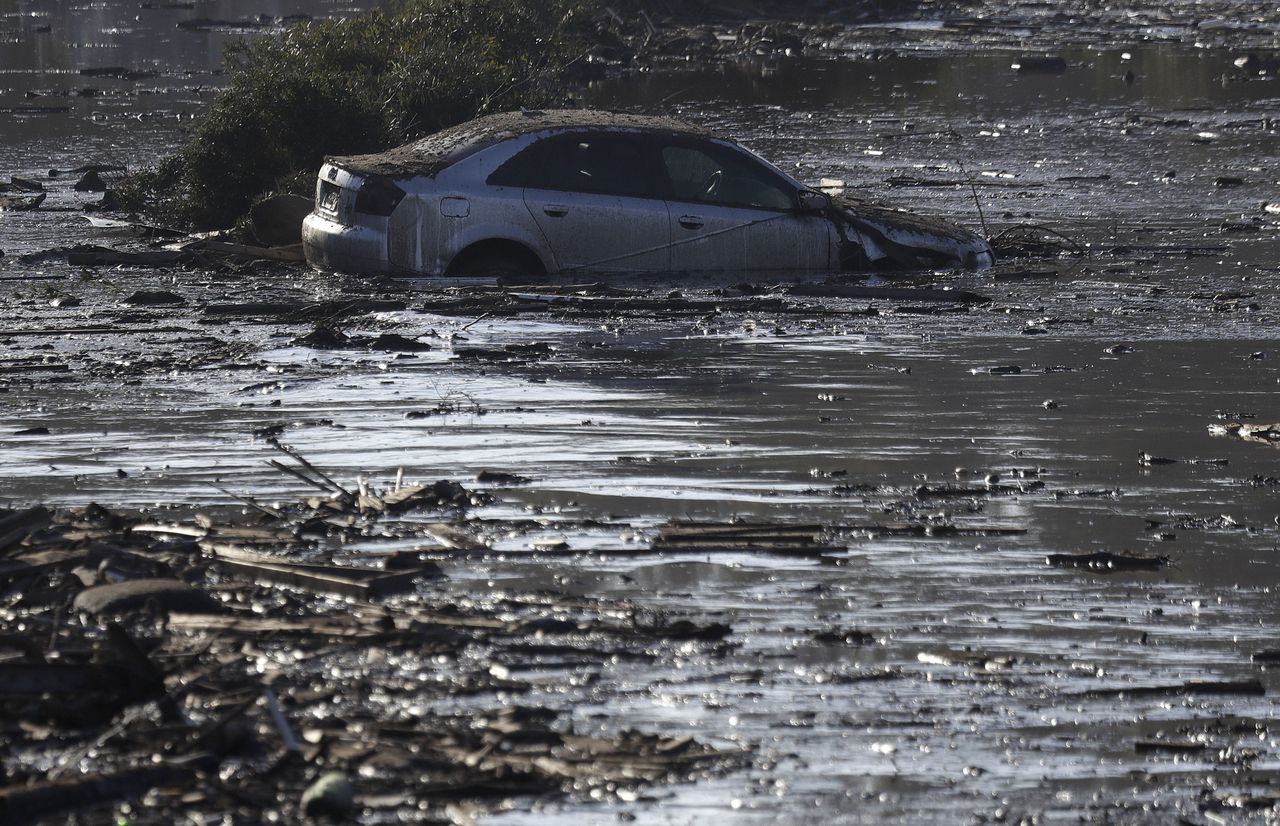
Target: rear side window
{"points": [[604, 164], [711, 174]]}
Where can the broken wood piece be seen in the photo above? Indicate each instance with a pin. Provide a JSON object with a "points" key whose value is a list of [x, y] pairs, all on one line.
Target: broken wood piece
{"points": [[18, 525], [35, 563], [442, 494], [1172, 746], [887, 293], [1260, 433], [1249, 688], [291, 252], [163, 595], [14, 204], [1107, 563], [787, 540], [254, 626], [88, 256], [360, 583], [24, 803]]}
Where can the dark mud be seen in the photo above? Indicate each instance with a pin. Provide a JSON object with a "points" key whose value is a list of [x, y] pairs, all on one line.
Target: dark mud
{"points": [[913, 635]]}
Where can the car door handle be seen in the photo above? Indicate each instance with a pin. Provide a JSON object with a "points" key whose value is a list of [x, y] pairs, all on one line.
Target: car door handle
{"points": [[691, 222], [556, 211]]}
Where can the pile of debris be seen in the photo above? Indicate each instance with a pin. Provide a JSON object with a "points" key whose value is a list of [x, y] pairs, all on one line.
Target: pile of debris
{"points": [[241, 664]]}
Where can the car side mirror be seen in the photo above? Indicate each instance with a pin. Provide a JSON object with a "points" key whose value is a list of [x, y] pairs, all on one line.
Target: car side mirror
{"points": [[810, 200]]}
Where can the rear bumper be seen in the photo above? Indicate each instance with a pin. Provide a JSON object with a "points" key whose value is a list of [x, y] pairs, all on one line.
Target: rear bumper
{"points": [[336, 247]]}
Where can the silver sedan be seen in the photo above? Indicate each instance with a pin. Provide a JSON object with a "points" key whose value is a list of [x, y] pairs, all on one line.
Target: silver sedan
{"points": [[525, 195]]}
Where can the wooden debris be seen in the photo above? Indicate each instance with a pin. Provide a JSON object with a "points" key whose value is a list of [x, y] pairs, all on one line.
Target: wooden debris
{"points": [[89, 256], [1268, 434], [786, 540], [16, 526], [138, 594], [16, 204], [291, 252], [359, 583], [24, 803], [1169, 746], [1201, 688], [40, 562], [1104, 562], [886, 293]]}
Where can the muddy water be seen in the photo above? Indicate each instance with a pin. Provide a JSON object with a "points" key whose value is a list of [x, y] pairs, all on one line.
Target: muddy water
{"points": [[988, 688]]}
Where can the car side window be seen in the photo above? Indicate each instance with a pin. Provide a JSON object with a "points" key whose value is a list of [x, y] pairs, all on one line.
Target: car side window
{"points": [[711, 174], [603, 164]]}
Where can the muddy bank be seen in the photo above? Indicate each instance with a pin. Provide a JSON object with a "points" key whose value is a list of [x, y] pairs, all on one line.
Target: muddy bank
{"points": [[971, 560]]}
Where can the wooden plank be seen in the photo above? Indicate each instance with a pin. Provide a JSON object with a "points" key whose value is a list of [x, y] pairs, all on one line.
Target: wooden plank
{"points": [[360, 583], [292, 252], [35, 563], [321, 626], [453, 537]]}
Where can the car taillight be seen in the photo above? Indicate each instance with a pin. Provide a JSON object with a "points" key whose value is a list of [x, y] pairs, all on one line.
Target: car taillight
{"points": [[378, 196]]}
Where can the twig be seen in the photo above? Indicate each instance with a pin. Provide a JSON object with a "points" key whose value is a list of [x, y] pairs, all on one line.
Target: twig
{"points": [[974, 189], [479, 319], [300, 460], [281, 466], [272, 512], [282, 724]]}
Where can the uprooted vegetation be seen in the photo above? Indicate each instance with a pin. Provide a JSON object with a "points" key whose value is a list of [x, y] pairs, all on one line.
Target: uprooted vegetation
{"points": [[352, 86]]}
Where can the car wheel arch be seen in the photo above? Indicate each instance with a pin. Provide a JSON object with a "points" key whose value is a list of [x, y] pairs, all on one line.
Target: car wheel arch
{"points": [[494, 248]]}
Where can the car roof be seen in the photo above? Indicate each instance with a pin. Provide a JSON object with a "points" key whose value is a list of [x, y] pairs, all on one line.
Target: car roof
{"points": [[440, 150]]}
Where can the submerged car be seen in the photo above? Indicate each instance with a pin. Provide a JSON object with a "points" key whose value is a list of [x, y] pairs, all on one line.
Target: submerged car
{"points": [[523, 195]]}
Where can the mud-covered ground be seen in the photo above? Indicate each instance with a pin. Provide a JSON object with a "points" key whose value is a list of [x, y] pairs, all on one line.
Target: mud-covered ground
{"points": [[910, 638]]}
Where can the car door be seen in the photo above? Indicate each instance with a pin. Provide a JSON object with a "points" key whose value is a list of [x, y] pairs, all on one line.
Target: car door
{"points": [[597, 199], [731, 212]]}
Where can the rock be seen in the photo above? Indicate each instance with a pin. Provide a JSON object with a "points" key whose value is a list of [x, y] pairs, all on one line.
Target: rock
{"points": [[91, 181], [324, 337], [1250, 63], [396, 343], [277, 221], [167, 595], [497, 477], [26, 184], [331, 796], [22, 204], [150, 298]]}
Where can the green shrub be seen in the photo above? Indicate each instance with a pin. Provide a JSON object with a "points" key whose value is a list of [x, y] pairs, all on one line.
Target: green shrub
{"points": [[354, 86]]}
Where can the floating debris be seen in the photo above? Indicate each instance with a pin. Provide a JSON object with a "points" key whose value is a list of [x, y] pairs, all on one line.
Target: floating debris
{"points": [[1105, 562]]}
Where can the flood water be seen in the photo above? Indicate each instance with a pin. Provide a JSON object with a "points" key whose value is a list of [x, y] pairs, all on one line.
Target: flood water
{"points": [[992, 688]]}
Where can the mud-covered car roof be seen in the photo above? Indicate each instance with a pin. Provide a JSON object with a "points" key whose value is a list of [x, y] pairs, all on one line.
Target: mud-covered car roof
{"points": [[444, 148]]}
